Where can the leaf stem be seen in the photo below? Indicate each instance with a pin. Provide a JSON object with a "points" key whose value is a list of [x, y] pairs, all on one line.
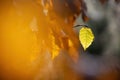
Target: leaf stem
{"points": [[80, 25]]}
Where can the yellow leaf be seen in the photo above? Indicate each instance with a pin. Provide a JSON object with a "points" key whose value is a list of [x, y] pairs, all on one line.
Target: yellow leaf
{"points": [[55, 49], [86, 37], [55, 52]]}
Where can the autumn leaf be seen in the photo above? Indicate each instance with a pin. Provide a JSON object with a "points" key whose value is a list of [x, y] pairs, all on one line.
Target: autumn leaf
{"points": [[117, 1], [86, 37], [55, 52], [84, 17], [103, 1]]}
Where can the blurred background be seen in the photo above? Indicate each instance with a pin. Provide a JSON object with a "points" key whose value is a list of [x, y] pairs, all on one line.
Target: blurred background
{"points": [[39, 40]]}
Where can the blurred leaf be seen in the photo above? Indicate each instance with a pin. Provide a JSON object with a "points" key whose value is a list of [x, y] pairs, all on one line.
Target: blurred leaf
{"points": [[55, 51], [86, 37], [103, 1], [83, 10], [84, 17], [83, 5], [117, 1]]}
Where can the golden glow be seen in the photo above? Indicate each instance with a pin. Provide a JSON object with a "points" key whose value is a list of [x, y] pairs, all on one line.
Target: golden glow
{"points": [[27, 34]]}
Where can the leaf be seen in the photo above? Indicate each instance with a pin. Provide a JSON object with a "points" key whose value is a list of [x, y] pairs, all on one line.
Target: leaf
{"points": [[84, 17], [86, 37], [83, 11], [103, 1], [55, 51], [117, 1]]}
